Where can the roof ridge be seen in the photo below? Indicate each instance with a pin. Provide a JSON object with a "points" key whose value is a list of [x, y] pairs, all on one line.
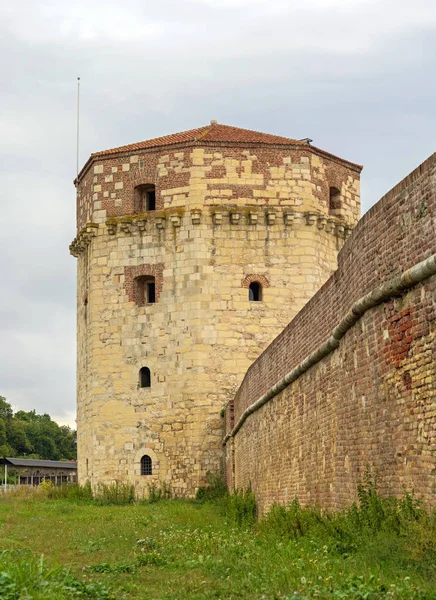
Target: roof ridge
{"points": [[199, 133], [218, 133]]}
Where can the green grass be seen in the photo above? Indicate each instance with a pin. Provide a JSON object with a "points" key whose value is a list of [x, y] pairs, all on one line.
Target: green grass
{"points": [[174, 549]]}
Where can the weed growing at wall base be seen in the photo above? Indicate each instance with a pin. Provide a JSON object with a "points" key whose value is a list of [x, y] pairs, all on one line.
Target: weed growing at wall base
{"points": [[114, 493]]}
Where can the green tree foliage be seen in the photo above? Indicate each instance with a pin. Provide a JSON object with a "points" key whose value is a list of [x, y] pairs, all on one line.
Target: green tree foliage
{"points": [[6, 411], [3, 438], [29, 435]]}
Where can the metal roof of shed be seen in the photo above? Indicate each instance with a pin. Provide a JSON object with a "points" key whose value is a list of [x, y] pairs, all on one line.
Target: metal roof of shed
{"points": [[27, 462]]}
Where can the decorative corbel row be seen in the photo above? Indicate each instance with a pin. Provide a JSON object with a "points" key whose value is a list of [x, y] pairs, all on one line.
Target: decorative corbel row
{"points": [[83, 239], [235, 216], [328, 224]]}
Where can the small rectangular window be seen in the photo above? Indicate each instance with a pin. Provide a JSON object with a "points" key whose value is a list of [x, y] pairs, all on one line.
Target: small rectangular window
{"points": [[151, 293], [151, 200]]}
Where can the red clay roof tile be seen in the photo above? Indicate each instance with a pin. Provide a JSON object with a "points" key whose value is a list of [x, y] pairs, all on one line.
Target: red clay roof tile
{"points": [[210, 133]]}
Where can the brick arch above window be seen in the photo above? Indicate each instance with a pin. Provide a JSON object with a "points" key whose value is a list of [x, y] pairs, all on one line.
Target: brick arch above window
{"points": [[131, 276], [144, 179], [255, 277]]}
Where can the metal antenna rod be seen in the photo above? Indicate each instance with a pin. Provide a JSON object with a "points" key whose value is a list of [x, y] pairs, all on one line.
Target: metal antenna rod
{"points": [[78, 112]]}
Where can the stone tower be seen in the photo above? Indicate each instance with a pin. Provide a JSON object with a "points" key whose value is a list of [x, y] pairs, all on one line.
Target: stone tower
{"points": [[194, 251]]}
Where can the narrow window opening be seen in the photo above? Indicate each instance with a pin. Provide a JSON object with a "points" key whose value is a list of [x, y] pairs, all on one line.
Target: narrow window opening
{"points": [[146, 465], [255, 292], [144, 377], [151, 292], [335, 199], [145, 290], [145, 198], [150, 199]]}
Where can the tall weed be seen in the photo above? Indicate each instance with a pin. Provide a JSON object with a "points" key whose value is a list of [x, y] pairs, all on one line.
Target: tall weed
{"points": [[240, 507], [156, 494], [215, 488], [70, 491], [376, 527], [115, 493]]}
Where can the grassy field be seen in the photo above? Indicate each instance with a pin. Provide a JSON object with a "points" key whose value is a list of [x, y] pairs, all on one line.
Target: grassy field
{"points": [[174, 549]]}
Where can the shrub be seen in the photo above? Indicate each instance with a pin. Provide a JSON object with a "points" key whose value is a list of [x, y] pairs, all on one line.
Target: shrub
{"points": [[115, 493], [215, 488], [240, 507], [293, 521], [71, 491], [156, 494]]}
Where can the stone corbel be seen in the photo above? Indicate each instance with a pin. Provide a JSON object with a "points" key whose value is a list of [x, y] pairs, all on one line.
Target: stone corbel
{"points": [[347, 232], [141, 223], [270, 216], [160, 222], [253, 217], [91, 230], [111, 227], [217, 218], [330, 225], [289, 217], [83, 239], [311, 218], [74, 250], [196, 216], [234, 218], [125, 226], [322, 222], [340, 230], [175, 220]]}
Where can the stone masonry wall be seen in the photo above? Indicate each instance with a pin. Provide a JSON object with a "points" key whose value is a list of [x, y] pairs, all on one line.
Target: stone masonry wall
{"points": [[225, 216], [372, 401]]}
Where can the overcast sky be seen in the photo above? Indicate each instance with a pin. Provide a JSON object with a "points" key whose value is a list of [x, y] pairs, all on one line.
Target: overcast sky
{"points": [[357, 76]]}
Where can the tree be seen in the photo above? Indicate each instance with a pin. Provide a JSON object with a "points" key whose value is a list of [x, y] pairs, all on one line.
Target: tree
{"points": [[3, 438], [28, 434], [17, 437], [6, 411]]}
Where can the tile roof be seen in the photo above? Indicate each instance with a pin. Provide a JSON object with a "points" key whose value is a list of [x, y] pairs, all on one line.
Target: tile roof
{"points": [[210, 133], [27, 462]]}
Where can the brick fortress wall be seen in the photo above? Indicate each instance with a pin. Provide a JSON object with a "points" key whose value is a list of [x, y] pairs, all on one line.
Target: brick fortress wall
{"points": [[372, 400], [224, 215]]}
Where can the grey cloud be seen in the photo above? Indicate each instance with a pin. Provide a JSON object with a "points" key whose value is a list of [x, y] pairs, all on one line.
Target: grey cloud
{"points": [[357, 76]]}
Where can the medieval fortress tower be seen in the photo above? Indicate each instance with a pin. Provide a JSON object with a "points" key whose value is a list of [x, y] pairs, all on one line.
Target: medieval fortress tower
{"points": [[194, 251]]}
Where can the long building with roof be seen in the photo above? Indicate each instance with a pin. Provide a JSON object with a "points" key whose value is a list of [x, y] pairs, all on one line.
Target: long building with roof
{"points": [[34, 471]]}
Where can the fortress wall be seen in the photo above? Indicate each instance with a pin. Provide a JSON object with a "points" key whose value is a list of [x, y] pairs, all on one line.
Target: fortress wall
{"points": [[212, 232], [372, 401]]}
